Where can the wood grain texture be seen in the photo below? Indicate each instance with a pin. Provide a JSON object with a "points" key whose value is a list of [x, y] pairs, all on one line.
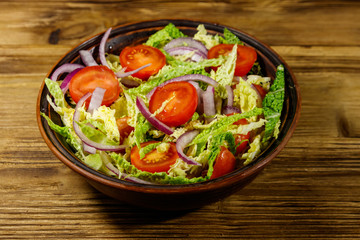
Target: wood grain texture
{"points": [[310, 191]]}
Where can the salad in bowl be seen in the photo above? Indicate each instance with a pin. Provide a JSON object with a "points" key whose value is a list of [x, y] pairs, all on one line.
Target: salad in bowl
{"points": [[175, 109]]}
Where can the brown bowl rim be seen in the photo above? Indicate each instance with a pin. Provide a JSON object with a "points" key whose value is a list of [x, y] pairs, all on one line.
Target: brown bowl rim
{"points": [[229, 179]]}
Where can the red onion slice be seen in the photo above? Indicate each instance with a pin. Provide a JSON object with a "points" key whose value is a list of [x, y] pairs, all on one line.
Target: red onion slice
{"points": [[126, 74], [96, 99], [209, 103], [87, 58], [186, 78], [84, 138], [199, 91], [154, 121], [65, 84], [188, 41], [181, 144], [196, 57], [230, 109], [89, 149], [230, 93], [65, 68], [102, 48]]}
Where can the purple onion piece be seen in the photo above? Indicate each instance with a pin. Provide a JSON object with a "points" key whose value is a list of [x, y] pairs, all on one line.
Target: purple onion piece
{"points": [[89, 149], [65, 84], [87, 58], [209, 103], [154, 121], [230, 94], [84, 138], [196, 57], [199, 91], [230, 109], [96, 99], [102, 48], [126, 74], [188, 41], [182, 142], [65, 68], [186, 78]]}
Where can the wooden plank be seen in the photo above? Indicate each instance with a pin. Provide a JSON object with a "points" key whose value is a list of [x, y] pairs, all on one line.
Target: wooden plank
{"points": [[311, 190]]}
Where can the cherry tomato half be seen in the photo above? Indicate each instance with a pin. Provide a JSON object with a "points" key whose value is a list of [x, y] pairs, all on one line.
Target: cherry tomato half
{"points": [[140, 55], [124, 128], [154, 161], [224, 163], [243, 139], [261, 90], [89, 78], [182, 102], [246, 57]]}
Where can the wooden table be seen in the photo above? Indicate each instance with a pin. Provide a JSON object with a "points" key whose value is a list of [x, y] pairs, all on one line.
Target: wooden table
{"points": [[310, 191]]}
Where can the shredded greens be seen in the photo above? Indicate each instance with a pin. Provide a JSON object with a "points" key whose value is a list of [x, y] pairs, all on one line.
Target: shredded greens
{"points": [[263, 116]]}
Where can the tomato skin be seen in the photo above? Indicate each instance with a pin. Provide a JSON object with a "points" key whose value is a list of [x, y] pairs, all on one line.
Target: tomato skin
{"points": [[224, 163], [261, 90], [181, 107], [246, 57], [124, 128], [89, 78], [154, 161], [238, 139], [243, 139], [140, 55]]}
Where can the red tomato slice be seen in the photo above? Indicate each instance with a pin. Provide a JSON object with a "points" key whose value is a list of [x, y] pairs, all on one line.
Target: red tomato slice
{"points": [[246, 57], [182, 102], [243, 139], [124, 128], [140, 55], [261, 90], [224, 163], [89, 78], [154, 161]]}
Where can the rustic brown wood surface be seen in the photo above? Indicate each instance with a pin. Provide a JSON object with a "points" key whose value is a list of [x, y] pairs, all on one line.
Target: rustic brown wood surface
{"points": [[311, 190]]}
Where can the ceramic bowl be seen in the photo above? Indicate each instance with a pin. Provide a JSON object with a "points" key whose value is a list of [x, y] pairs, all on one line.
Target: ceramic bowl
{"points": [[172, 197]]}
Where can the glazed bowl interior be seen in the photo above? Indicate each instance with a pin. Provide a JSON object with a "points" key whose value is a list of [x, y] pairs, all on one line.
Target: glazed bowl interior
{"points": [[137, 33]]}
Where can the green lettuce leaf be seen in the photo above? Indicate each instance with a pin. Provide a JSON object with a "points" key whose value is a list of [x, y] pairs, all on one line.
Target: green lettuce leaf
{"points": [[222, 124], [225, 73], [254, 150], [163, 36], [148, 148], [225, 138], [273, 104], [207, 39], [120, 107], [104, 118], [96, 135], [245, 97], [160, 177], [141, 128], [94, 161], [65, 131], [175, 69], [230, 38], [56, 92]]}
